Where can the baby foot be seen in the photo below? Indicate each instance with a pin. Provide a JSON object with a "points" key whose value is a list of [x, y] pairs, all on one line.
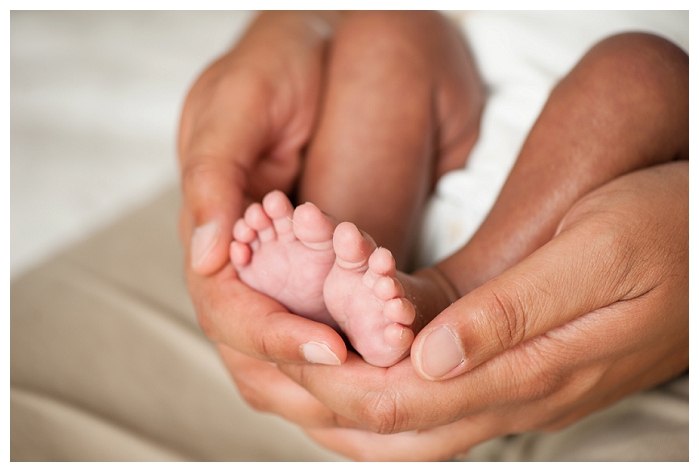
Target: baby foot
{"points": [[286, 254], [364, 295]]}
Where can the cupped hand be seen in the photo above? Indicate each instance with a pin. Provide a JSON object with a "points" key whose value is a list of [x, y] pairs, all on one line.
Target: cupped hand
{"points": [[247, 122], [243, 127], [599, 312]]}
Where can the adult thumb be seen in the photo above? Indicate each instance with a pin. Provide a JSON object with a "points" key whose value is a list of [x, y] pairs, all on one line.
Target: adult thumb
{"points": [[571, 275]]}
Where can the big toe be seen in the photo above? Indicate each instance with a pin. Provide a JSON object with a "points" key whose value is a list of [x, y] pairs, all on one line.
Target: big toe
{"points": [[313, 227], [352, 247]]}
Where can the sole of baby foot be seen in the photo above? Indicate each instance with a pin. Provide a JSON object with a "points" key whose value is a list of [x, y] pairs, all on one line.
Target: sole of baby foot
{"points": [[286, 254]]}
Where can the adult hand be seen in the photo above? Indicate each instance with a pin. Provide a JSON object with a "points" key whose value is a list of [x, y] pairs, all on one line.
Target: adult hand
{"points": [[244, 124], [243, 127], [599, 312]]}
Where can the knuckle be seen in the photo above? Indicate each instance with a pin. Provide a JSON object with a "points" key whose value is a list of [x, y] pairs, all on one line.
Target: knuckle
{"points": [[540, 373], [540, 386], [252, 397], [206, 325], [197, 169], [608, 239], [251, 391], [506, 316], [260, 345], [580, 211], [244, 87], [380, 412], [239, 96], [201, 170], [230, 76], [334, 419]]}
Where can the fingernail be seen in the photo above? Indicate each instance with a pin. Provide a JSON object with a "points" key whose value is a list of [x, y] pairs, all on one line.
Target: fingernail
{"points": [[204, 239], [440, 353], [317, 353]]}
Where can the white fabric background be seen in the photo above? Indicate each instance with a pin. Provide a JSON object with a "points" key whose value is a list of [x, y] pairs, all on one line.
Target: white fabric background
{"points": [[521, 56], [95, 99]]}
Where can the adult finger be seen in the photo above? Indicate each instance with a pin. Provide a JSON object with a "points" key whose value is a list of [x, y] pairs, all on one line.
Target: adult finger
{"points": [[570, 359], [231, 313], [244, 124], [266, 389], [435, 444], [219, 143]]}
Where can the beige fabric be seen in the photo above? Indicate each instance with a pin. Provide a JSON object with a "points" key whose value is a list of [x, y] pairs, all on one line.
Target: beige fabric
{"points": [[108, 363], [648, 426]]}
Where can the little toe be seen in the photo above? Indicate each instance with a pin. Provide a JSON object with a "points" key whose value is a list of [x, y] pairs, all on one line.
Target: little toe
{"points": [[313, 227], [398, 336], [240, 254], [399, 310], [242, 232], [258, 220], [278, 207], [352, 247]]}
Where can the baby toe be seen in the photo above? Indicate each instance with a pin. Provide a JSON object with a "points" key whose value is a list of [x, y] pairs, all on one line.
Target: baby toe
{"points": [[240, 254], [257, 219], [313, 227], [278, 207], [399, 310], [351, 247], [386, 288], [381, 262], [398, 336], [242, 232]]}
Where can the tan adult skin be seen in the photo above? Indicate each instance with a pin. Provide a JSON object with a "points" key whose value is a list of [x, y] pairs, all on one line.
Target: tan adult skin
{"points": [[583, 362]]}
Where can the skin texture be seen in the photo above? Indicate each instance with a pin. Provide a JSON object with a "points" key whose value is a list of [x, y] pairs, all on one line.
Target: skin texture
{"points": [[228, 160], [273, 80], [529, 363], [401, 107], [542, 384], [625, 106]]}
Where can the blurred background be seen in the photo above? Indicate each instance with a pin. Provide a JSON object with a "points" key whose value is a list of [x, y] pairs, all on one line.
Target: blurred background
{"points": [[95, 99]]}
